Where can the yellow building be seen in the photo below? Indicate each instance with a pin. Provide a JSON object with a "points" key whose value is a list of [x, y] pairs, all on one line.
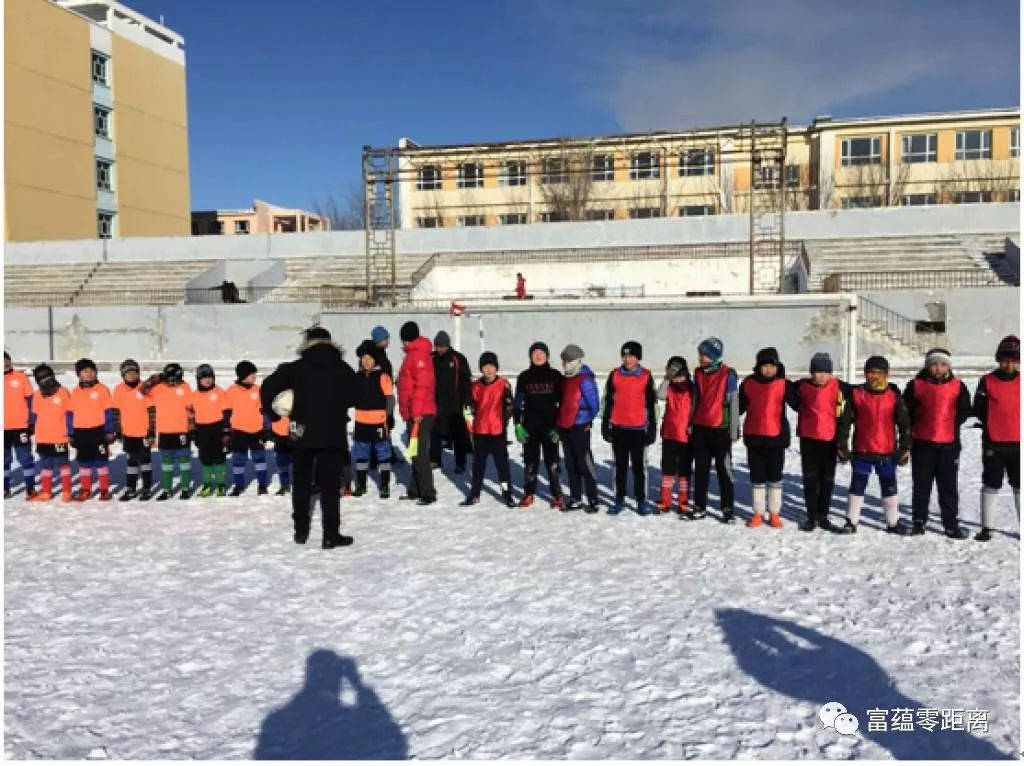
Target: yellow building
{"points": [[95, 124], [261, 218], [907, 160]]}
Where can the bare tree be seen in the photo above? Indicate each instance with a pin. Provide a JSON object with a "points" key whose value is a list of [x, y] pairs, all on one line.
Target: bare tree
{"points": [[872, 183], [992, 179], [346, 213], [567, 182]]}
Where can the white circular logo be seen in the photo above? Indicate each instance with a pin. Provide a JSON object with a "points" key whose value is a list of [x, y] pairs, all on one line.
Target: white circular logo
{"points": [[254, 396], [180, 391], [94, 395], [56, 400], [213, 397], [138, 394], [15, 384]]}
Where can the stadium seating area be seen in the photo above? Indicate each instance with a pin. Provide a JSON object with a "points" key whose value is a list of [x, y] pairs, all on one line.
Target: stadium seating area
{"points": [[346, 275], [880, 263]]}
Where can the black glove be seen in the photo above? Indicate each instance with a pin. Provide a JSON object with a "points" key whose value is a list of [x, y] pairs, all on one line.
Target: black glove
{"points": [[266, 436], [71, 442], [391, 423], [31, 430], [842, 455], [110, 438], [606, 431]]}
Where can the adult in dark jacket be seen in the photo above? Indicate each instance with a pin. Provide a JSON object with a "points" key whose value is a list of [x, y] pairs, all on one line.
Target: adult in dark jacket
{"points": [[535, 410], [938, 404], [452, 381], [322, 386]]}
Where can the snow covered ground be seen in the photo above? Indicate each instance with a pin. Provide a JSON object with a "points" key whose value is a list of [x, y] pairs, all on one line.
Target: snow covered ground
{"points": [[186, 629]]}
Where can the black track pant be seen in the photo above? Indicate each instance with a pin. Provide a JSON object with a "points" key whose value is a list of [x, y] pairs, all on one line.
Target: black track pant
{"points": [[579, 462], [324, 467], [422, 474], [995, 461], [676, 459], [485, 446], [629, 448], [456, 433], [140, 461], [765, 464], [532, 449], [939, 466], [818, 462], [711, 444]]}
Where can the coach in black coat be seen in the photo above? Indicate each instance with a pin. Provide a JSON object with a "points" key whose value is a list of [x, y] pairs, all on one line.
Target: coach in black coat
{"points": [[453, 378], [322, 386]]}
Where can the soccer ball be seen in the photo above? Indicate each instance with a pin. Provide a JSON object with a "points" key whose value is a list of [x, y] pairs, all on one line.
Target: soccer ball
{"points": [[283, 403]]}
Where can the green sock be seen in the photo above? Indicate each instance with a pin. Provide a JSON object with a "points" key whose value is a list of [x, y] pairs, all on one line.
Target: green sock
{"points": [[207, 475], [185, 470], [168, 473]]}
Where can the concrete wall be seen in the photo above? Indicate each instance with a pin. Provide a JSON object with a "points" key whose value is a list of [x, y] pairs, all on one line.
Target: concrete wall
{"points": [[257, 273], [953, 219]]}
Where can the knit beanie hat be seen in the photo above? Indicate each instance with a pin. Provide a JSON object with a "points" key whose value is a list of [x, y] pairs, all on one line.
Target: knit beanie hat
{"points": [[443, 339], [410, 331], [244, 369], [1009, 348], [677, 363], [821, 362], [712, 348], [205, 371], [878, 363], [316, 333], [84, 364], [129, 365], [379, 333], [539, 344], [488, 357], [769, 355], [571, 353], [632, 348], [368, 347], [937, 355]]}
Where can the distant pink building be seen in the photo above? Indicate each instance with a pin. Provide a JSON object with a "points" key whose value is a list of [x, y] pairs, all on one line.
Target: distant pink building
{"points": [[261, 218]]}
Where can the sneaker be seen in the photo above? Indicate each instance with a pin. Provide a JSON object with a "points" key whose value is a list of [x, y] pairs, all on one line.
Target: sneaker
{"points": [[643, 508], [593, 508], [30, 494], [849, 528], [558, 504], [185, 494], [573, 505], [104, 495], [165, 495], [471, 500], [826, 524], [346, 491], [42, 497], [205, 491], [385, 493], [145, 494], [426, 500], [696, 514], [900, 529], [508, 499], [409, 496], [81, 495], [774, 520], [262, 489], [336, 542], [984, 535], [128, 494], [301, 537], [282, 491], [526, 502], [618, 508], [222, 491], [687, 514], [809, 525], [359, 491], [918, 528], [956, 533], [236, 491], [66, 497], [662, 507], [756, 520], [728, 517]]}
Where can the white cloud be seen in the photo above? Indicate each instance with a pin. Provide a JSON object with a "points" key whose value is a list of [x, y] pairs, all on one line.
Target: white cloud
{"points": [[689, 64]]}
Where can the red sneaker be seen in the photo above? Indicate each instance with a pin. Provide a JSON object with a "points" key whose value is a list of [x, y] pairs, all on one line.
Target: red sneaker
{"points": [[104, 495], [558, 503], [526, 502], [81, 496], [40, 497]]}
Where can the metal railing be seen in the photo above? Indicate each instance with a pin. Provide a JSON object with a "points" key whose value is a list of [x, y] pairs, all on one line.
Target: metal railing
{"points": [[892, 324], [903, 280]]}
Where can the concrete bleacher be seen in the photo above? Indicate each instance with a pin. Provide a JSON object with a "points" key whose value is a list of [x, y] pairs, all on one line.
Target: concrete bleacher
{"points": [[45, 284], [163, 283], [905, 261], [346, 274]]}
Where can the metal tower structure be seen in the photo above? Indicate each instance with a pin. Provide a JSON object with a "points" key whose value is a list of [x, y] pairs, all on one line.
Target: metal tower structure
{"points": [[380, 185], [767, 206]]}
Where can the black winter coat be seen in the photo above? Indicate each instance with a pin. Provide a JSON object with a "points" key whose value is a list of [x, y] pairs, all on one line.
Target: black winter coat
{"points": [[538, 395], [452, 382], [324, 390]]}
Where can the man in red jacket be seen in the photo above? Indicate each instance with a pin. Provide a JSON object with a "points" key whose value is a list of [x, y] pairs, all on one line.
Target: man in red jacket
{"points": [[418, 409]]}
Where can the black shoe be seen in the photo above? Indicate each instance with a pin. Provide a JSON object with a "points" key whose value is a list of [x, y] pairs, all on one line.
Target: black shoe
{"points": [[409, 496], [825, 524], [697, 513], [359, 490], [301, 537], [336, 542], [687, 514], [810, 524], [165, 495], [956, 533], [573, 505], [900, 529], [283, 491], [185, 494], [385, 492], [426, 500], [236, 491], [507, 498], [593, 508], [918, 528], [145, 494], [728, 517], [471, 500], [849, 528], [262, 490], [128, 494], [984, 535]]}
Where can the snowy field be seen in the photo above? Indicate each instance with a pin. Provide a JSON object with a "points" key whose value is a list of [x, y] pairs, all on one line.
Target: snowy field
{"points": [[186, 629]]}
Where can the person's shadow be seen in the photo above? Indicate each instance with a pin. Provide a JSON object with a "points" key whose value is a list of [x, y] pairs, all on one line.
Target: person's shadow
{"points": [[317, 725], [807, 665]]}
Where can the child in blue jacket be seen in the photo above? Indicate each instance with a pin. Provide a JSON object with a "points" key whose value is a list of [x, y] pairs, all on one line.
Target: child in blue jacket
{"points": [[581, 404]]}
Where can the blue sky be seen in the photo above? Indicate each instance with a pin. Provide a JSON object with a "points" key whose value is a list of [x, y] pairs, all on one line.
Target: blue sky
{"points": [[282, 96]]}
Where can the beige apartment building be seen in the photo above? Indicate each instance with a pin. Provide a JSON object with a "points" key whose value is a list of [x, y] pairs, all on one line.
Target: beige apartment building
{"points": [[924, 159], [261, 218], [95, 123]]}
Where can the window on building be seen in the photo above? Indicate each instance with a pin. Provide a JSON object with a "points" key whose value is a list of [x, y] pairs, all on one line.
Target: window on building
{"points": [[104, 224], [603, 214], [867, 201], [101, 121], [919, 147], [603, 168], [105, 175], [100, 68], [645, 212], [508, 219], [551, 216], [974, 145], [862, 151], [553, 171], [792, 176], [241, 227], [428, 178], [688, 210], [644, 165], [1014, 195], [470, 220], [429, 222], [512, 173], [697, 162], [195, 228], [916, 200], [965, 198], [215, 227], [767, 176], [1014, 142], [469, 175]]}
